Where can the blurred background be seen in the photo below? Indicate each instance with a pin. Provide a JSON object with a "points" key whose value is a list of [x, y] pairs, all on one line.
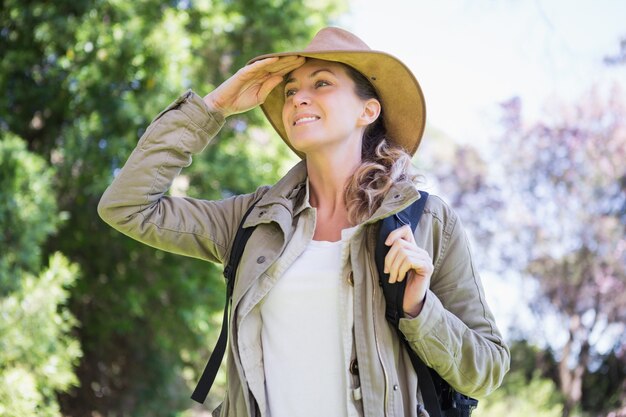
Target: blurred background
{"points": [[526, 139]]}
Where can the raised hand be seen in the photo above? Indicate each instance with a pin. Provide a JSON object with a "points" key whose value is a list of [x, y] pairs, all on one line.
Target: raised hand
{"points": [[406, 259], [250, 86]]}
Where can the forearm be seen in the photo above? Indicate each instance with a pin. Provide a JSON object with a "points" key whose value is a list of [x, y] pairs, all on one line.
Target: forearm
{"points": [[135, 203], [473, 361]]}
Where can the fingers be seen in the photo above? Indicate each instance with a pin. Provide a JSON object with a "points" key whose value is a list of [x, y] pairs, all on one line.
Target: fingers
{"points": [[396, 251], [403, 236], [273, 66], [282, 67], [395, 261], [266, 74], [268, 86], [287, 64], [404, 256], [420, 264], [403, 232], [250, 86]]}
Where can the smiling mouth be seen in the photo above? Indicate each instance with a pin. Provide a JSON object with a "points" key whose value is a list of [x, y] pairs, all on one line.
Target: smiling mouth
{"points": [[306, 119]]}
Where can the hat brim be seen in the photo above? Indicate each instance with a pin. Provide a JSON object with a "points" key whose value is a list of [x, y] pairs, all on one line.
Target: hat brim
{"points": [[399, 92]]}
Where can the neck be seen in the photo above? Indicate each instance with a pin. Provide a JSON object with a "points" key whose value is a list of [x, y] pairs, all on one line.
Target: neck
{"points": [[328, 175]]}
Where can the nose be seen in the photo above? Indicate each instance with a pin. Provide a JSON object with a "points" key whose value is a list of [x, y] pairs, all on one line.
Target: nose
{"points": [[301, 98]]}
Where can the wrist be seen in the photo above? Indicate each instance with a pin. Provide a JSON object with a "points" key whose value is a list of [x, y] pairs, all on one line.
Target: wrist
{"points": [[415, 310], [213, 106]]}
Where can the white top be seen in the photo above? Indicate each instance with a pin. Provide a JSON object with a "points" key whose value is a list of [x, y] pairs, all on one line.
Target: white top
{"points": [[307, 335]]}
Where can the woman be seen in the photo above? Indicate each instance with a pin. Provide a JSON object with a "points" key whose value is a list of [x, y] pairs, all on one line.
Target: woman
{"points": [[308, 334]]}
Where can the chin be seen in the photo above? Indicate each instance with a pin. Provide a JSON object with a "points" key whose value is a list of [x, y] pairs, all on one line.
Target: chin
{"points": [[305, 145]]}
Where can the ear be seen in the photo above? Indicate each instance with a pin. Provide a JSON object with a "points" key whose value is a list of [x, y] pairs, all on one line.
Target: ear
{"points": [[371, 111]]}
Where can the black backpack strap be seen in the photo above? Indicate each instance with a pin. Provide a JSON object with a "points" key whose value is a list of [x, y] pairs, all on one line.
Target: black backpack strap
{"points": [[213, 365], [394, 296], [440, 399], [394, 293]]}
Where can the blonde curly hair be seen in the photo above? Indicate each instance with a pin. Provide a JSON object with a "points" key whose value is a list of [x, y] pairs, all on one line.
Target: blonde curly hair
{"points": [[383, 163]]}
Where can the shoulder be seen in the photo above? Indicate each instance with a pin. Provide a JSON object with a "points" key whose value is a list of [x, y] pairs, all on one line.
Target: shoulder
{"points": [[239, 204], [441, 233], [440, 213], [261, 191]]}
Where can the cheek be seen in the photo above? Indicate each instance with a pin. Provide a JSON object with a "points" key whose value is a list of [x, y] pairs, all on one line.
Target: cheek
{"points": [[350, 113]]}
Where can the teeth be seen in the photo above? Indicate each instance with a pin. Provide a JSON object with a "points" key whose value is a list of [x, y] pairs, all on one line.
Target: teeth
{"points": [[305, 119]]}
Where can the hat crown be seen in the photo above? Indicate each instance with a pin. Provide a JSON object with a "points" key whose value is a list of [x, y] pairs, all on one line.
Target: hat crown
{"points": [[336, 39]]}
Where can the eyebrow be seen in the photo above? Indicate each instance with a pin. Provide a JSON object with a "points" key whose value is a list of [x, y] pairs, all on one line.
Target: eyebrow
{"points": [[313, 74]]}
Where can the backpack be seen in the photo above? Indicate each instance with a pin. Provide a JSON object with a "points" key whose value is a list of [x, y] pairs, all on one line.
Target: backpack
{"points": [[440, 399]]}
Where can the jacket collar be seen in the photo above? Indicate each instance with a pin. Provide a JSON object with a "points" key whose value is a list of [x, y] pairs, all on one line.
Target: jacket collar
{"points": [[399, 197], [286, 190], [285, 199], [291, 193]]}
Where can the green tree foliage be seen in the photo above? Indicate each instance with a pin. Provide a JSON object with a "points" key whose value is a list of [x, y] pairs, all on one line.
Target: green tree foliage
{"points": [[28, 212], [521, 397], [605, 387], [37, 350], [82, 80], [528, 389]]}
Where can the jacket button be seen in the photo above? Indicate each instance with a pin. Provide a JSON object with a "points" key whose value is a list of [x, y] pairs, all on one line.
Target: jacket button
{"points": [[261, 213], [351, 279], [260, 259], [395, 388], [354, 367]]}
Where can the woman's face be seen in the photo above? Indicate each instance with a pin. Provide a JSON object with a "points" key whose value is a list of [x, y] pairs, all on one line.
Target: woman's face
{"points": [[321, 108]]}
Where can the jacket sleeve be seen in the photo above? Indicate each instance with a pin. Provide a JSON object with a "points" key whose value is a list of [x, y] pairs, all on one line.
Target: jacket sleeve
{"points": [[455, 333], [136, 205]]}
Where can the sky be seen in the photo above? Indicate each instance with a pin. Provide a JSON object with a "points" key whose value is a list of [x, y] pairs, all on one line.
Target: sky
{"points": [[471, 55]]}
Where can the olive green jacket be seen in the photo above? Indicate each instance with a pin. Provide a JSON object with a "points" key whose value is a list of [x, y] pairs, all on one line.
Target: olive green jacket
{"points": [[455, 333]]}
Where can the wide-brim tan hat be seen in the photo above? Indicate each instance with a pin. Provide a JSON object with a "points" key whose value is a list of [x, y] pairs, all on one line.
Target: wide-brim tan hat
{"points": [[404, 109]]}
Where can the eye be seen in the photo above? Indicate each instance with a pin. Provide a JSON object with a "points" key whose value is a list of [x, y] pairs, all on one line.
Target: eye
{"points": [[321, 83], [290, 92]]}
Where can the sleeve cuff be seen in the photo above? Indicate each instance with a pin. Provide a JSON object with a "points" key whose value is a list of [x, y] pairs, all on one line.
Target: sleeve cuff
{"points": [[431, 316], [192, 105]]}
